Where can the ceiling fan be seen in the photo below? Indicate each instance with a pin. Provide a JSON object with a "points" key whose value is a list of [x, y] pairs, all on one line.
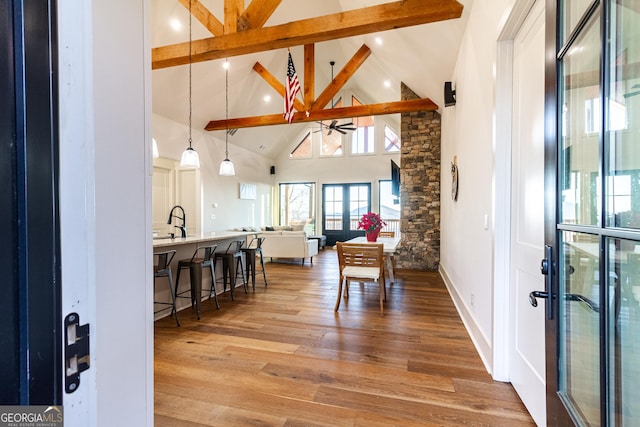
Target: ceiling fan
{"points": [[334, 123], [337, 127]]}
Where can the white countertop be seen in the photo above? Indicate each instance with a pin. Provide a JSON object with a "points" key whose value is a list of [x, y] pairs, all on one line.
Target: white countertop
{"points": [[203, 237]]}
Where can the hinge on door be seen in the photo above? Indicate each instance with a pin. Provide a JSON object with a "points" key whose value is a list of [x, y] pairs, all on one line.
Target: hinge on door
{"points": [[76, 351]]}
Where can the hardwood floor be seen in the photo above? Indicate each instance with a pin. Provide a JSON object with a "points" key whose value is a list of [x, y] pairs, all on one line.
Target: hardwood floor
{"points": [[280, 356]]}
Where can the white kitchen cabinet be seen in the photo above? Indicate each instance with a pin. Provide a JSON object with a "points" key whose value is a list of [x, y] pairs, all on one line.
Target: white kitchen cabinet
{"points": [[173, 185]]}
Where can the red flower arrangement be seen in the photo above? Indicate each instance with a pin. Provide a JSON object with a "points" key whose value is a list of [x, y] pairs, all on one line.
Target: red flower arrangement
{"points": [[371, 222]]}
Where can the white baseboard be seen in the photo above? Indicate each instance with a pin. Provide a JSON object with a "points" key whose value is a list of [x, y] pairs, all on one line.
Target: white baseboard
{"points": [[478, 338]]}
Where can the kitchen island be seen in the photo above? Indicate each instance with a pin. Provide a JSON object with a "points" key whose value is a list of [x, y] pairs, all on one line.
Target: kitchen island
{"points": [[185, 247]]}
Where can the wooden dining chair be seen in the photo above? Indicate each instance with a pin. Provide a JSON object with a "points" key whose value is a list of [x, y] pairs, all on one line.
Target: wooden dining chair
{"points": [[363, 262], [390, 234]]}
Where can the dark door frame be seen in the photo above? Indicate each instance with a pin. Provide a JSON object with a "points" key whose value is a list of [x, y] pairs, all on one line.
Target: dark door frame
{"points": [[30, 313], [556, 414]]}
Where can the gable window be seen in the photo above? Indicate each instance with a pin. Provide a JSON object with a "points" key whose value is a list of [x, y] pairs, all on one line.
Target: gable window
{"points": [[363, 138], [331, 143], [391, 140], [303, 149]]}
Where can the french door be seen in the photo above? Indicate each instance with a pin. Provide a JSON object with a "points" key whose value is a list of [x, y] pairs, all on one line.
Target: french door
{"points": [[593, 223], [342, 207]]}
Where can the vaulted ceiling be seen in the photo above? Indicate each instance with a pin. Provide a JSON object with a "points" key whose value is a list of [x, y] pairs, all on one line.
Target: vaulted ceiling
{"points": [[422, 56]]}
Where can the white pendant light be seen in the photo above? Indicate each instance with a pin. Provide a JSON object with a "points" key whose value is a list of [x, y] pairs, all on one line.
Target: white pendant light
{"points": [[226, 167], [154, 148], [190, 158]]}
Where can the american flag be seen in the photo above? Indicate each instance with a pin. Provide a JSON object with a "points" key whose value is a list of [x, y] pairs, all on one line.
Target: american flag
{"points": [[291, 89]]}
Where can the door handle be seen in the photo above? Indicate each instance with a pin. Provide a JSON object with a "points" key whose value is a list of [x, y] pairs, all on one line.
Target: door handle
{"points": [[546, 268], [537, 294]]}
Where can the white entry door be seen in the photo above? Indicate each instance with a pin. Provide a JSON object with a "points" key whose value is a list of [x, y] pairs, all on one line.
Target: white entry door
{"points": [[527, 336]]}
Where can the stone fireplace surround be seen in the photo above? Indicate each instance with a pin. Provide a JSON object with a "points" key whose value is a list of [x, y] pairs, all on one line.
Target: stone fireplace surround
{"points": [[419, 248]]}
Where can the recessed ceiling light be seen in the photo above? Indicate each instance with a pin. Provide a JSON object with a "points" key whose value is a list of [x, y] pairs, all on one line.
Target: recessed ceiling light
{"points": [[267, 98], [225, 64], [175, 24], [379, 41], [387, 83]]}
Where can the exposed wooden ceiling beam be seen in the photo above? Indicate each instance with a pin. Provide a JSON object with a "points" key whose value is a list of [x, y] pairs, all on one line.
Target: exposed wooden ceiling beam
{"points": [[233, 9], [257, 14], [308, 92], [275, 84], [409, 106], [592, 78], [350, 23], [341, 78], [206, 18], [309, 79], [254, 16]]}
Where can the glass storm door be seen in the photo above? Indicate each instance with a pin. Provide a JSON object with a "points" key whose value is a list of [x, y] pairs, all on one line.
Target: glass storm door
{"points": [[593, 354]]}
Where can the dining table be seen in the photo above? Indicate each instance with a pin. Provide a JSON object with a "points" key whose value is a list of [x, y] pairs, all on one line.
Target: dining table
{"points": [[390, 246]]}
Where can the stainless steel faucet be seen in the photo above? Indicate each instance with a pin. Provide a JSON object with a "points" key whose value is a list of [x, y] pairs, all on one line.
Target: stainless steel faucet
{"points": [[182, 227]]}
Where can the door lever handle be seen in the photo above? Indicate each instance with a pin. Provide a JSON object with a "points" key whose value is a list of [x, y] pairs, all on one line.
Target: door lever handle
{"points": [[546, 268], [537, 294]]}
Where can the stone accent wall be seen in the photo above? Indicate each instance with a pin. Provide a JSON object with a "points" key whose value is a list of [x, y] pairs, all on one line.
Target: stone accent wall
{"points": [[419, 189]]}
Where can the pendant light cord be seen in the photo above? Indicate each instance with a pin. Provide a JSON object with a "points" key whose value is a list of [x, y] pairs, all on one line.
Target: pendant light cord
{"points": [[226, 100], [332, 63], [226, 111], [190, 41]]}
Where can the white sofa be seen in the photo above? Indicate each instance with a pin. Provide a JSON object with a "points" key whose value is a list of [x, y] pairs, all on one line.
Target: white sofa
{"points": [[288, 244]]}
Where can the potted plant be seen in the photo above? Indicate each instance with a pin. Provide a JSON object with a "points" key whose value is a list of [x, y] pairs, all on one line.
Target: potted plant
{"points": [[371, 223]]}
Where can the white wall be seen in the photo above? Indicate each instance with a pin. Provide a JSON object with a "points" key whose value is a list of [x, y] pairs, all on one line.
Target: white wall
{"points": [[468, 132], [251, 168]]}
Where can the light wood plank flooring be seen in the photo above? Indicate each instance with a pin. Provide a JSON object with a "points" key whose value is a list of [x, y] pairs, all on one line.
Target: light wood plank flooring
{"points": [[280, 356]]}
